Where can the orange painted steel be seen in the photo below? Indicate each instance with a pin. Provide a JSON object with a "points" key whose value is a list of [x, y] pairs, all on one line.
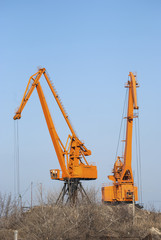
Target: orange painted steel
{"points": [[71, 157], [123, 189]]}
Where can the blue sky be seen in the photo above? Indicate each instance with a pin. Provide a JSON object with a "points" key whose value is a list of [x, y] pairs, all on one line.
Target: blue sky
{"points": [[88, 49]]}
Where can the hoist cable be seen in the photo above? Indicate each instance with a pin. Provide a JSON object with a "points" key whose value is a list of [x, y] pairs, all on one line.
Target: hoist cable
{"points": [[140, 161], [121, 125], [15, 189], [124, 133], [18, 170], [16, 161], [137, 159]]}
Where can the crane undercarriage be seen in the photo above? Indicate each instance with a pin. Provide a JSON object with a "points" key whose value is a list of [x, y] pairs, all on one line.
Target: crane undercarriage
{"points": [[72, 192]]}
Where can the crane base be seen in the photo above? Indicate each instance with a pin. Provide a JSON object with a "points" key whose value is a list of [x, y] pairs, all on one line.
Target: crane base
{"points": [[72, 193], [119, 193]]}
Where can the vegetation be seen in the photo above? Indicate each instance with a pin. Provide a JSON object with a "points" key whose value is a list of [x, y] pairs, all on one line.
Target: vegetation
{"points": [[84, 221]]}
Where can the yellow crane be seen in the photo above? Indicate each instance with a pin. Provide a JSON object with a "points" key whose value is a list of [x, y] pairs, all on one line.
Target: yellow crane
{"points": [[72, 155], [123, 189]]}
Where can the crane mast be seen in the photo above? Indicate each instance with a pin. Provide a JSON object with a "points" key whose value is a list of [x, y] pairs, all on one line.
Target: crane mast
{"points": [[71, 157], [123, 189]]}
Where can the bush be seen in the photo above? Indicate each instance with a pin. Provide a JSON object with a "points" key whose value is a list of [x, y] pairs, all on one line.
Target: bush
{"points": [[92, 221]]}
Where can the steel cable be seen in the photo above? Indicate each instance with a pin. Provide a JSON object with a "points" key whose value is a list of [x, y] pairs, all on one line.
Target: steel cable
{"points": [[121, 125], [16, 161]]}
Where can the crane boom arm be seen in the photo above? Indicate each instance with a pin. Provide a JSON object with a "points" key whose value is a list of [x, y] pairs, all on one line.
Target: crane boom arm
{"points": [[52, 131], [133, 81], [132, 104]]}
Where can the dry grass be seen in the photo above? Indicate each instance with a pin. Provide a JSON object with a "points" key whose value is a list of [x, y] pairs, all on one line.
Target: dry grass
{"points": [[84, 221]]}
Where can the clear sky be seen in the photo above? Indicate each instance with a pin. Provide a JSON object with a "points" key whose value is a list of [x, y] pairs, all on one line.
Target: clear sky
{"points": [[88, 49]]}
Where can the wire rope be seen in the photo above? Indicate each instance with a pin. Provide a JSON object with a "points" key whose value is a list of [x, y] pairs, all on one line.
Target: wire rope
{"points": [[124, 132], [121, 125], [16, 161], [140, 167], [137, 158], [15, 189]]}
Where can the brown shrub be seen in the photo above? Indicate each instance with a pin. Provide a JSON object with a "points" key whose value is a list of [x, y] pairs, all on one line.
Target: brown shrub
{"points": [[84, 221]]}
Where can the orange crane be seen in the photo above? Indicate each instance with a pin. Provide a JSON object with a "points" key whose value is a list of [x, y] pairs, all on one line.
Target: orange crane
{"points": [[72, 155], [123, 189]]}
